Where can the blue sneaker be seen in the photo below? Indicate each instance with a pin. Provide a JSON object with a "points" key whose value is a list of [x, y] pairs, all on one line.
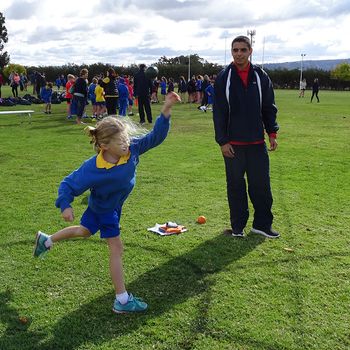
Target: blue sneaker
{"points": [[39, 248], [133, 305]]}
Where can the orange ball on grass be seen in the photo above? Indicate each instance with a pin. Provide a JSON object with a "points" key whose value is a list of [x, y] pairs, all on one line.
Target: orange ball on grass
{"points": [[201, 219]]}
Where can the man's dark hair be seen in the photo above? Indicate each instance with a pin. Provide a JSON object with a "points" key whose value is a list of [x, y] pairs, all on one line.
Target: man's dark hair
{"points": [[142, 66], [242, 39], [111, 72]]}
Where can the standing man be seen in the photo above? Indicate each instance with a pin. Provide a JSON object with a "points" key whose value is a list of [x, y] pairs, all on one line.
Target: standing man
{"points": [[244, 106], [40, 82], [143, 91], [315, 90]]}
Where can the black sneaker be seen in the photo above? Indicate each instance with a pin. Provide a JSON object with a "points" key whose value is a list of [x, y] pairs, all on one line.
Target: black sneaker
{"points": [[233, 233], [237, 233], [269, 233]]}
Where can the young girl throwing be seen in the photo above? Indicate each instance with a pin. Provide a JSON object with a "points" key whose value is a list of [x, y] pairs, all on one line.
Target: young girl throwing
{"points": [[110, 176]]}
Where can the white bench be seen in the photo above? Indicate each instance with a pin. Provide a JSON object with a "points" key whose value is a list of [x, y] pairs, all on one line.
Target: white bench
{"points": [[27, 112]]}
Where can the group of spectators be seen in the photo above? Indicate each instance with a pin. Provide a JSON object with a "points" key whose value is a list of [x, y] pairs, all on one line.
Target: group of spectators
{"points": [[105, 93], [110, 92], [192, 91], [15, 80]]}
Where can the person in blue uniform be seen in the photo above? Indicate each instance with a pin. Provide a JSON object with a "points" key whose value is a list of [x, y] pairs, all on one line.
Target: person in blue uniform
{"points": [[58, 83], [123, 93], [92, 97], [110, 177], [46, 96]]}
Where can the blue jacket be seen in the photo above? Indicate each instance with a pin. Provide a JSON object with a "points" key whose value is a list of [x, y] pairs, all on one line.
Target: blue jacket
{"points": [[46, 94], [210, 90], [91, 92], [123, 91], [163, 87], [109, 188], [242, 113]]}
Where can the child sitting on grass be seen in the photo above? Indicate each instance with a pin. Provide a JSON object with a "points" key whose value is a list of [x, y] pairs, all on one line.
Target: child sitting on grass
{"points": [[110, 176]]}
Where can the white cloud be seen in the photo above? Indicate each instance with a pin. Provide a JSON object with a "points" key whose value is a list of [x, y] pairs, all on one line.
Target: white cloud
{"points": [[22, 10], [134, 31]]}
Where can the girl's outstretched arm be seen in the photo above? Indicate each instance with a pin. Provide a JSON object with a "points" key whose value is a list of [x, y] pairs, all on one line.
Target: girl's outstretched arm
{"points": [[170, 99]]}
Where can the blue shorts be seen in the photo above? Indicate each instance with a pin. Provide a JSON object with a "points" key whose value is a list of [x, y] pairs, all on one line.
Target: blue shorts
{"points": [[107, 223]]}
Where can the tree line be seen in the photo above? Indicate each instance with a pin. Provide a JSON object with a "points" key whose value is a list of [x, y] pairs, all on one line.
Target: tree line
{"points": [[187, 66], [330, 80], [179, 66]]}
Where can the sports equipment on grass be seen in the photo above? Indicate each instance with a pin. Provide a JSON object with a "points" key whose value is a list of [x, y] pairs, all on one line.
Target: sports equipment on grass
{"points": [[201, 219]]}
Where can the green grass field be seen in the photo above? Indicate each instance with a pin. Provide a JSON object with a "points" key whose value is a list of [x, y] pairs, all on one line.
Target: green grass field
{"points": [[204, 290]]}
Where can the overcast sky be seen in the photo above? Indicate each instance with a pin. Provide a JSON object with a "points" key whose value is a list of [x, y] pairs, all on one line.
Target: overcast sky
{"points": [[122, 32]]}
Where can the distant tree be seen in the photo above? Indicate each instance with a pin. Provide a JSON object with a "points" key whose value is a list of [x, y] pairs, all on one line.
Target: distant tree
{"points": [[176, 66], [12, 67], [341, 72], [4, 57]]}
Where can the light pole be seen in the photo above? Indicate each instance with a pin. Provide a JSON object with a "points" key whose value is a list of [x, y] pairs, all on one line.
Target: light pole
{"points": [[189, 67], [251, 33], [263, 55], [301, 66], [225, 50]]}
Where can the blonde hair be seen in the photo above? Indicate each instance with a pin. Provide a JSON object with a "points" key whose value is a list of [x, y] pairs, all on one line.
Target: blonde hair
{"points": [[110, 127]]}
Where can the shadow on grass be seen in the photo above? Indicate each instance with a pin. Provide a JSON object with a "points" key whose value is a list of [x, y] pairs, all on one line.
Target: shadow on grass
{"points": [[163, 287], [174, 282], [16, 334]]}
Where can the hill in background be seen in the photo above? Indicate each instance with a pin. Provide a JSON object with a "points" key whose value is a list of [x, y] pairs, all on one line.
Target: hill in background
{"points": [[325, 65]]}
